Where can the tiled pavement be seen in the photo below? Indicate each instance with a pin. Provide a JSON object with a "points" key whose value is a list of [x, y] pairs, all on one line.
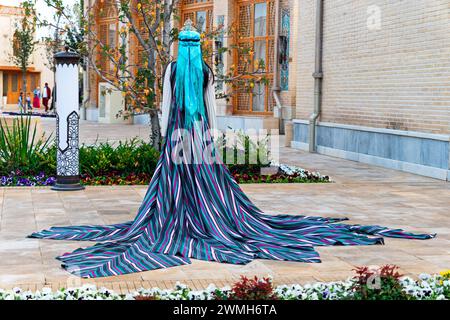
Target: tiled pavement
{"points": [[366, 194]]}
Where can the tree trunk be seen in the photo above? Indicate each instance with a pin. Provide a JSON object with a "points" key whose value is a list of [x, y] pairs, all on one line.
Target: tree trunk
{"points": [[167, 27], [155, 135], [155, 130], [24, 89]]}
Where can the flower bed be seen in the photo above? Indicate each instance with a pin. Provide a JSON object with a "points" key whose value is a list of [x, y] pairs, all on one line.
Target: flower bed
{"points": [[17, 179], [285, 174], [29, 160], [391, 287]]}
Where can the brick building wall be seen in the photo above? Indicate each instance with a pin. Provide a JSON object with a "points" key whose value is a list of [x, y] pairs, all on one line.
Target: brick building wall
{"points": [[386, 63]]}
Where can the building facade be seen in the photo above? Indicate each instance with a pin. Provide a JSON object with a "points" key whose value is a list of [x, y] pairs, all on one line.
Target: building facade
{"points": [[257, 22], [10, 75], [362, 80], [385, 96]]}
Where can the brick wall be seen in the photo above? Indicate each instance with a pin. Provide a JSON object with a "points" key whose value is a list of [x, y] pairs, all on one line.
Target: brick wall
{"points": [[395, 74]]}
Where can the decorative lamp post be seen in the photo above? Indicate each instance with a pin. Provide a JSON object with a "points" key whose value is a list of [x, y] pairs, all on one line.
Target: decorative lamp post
{"points": [[67, 122]]}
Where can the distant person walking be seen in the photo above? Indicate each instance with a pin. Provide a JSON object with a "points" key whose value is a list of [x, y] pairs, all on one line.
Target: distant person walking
{"points": [[46, 96], [52, 104], [21, 103], [37, 98], [28, 101]]}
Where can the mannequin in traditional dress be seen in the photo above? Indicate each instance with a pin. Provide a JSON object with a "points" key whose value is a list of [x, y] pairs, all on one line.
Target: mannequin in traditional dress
{"points": [[193, 207]]}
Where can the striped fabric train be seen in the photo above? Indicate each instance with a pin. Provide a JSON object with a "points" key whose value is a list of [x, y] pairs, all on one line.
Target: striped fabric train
{"points": [[198, 211]]}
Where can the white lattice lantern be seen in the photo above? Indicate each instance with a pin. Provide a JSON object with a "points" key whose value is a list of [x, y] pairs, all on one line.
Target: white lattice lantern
{"points": [[67, 122]]}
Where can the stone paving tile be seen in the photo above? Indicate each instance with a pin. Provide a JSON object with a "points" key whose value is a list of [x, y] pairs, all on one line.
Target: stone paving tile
{"points": [[35, 258], [365, 194], [92, 132]]}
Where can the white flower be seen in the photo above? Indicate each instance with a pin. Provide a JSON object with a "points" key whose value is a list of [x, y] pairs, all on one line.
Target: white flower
{"points": [[211, 288], [428, 287], [424, 276], [46, 290], [314, 296]]}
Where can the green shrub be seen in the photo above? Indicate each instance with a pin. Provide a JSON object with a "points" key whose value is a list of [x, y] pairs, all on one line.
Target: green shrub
{"points": [[21, 148], [381, 284], [130, 157], [247, 155]]}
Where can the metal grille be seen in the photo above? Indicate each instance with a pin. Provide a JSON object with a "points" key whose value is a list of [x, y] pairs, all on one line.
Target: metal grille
{"points": [[243, 99], [271, 18], [189, 15], [243, 57], [103, 37], [191, 2], [245, 21], [271, 99], [209, 20], [271, 55]]}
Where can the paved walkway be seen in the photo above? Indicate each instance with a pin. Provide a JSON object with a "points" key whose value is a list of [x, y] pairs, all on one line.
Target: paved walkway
{"points": [[366, 194], [92, 132]]}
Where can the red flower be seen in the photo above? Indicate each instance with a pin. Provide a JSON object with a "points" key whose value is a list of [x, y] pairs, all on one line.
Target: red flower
{"points": [[252, 289]]}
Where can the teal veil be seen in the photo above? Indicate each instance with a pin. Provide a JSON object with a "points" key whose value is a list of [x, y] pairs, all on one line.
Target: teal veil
{"points": [[189, 78]]}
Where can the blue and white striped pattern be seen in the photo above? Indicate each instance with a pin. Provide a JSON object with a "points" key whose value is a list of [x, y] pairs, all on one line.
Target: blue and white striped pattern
{"points": [[199, 211]]}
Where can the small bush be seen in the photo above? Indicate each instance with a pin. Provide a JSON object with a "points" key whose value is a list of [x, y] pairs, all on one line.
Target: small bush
{"points": [[132, 157], [381, 284], [21, 148], [250, 289]]}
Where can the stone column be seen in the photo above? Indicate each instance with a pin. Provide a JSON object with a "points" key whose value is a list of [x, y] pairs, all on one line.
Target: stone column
{"points": [[67, 122]]}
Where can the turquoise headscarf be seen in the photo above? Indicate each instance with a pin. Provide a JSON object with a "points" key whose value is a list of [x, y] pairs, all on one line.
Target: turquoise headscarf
{"points": [[189, 77]]}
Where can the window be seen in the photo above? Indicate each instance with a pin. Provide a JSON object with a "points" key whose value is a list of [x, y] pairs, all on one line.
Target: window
{"points": [[200, 18], [5, 84], [260, 19], [107, 22], [112, 35], [255, 37], [14, 82], [34, 81], [200, 12]]}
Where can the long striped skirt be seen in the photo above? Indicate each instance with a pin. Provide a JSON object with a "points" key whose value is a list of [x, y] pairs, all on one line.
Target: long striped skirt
{"points": [[194, 208]]}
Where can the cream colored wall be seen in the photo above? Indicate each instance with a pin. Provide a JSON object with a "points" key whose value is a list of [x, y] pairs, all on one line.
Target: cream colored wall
{"points": [[6, 33], [38, 59], [40, 63]]}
